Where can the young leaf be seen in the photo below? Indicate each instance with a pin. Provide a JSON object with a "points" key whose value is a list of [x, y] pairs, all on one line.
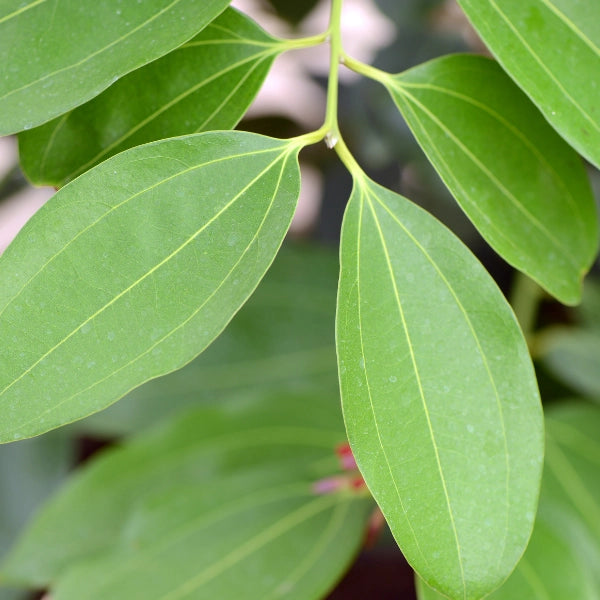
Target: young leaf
{"points": [[56, 55], [134, 268], [521, 185], [217, 503], [282, 340], [206, 84], [563, 556], [439, 395], [551, 48]]}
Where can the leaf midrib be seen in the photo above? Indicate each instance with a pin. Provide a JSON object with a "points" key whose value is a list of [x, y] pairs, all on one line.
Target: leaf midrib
{"points": [[365, 194]]}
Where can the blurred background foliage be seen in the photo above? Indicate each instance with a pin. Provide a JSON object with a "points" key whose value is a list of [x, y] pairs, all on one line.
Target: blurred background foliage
{"points": [[282, 341]]}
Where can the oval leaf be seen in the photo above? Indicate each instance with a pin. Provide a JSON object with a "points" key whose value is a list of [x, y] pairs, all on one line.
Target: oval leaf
{"points": [[217, 503], [439, 395], [551, 48], [56, 55], [521, 185], [134, 268], [206, 84]]}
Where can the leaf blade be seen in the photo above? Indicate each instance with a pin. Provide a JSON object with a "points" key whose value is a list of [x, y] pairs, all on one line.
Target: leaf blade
{"points": [[61, 63], [394, 350], [518, 182], [561, 78], [205, 84], [130, 276], [215, 489]]}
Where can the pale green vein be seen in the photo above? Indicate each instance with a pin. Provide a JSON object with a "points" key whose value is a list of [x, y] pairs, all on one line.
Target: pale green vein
{"points": [[248, 73], [544, 68], [369, 392], [494, 180], [515, 131], [165, 107], [165, 260], [317, 552], [234, 42], [278, 529], [180, 325], [573, 485], [574, 28], [123, 203], [480, 351], [256, 499], [21, 10], [419, 384], [93, 54], [453, 180], [57, 127]]}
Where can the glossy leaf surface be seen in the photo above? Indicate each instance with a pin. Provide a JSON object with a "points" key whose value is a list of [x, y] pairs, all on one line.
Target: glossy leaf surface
{"points": [[563, 557], [206, 84], [74, 49], [521, 185], [134, 268], [551, 48], [217, 503], [281, 341], [439, 396]]}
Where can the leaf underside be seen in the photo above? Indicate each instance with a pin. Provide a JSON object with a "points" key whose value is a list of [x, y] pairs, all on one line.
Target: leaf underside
{"points": [[131, 270], [56, 54], [563, 556], [438, 392], [205, 84], [520, 184], [551, 48], [216, 503]]}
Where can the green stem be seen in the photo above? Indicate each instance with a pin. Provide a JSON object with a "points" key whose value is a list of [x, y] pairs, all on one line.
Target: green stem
{"points": [[305, 42], [525, 298], [335, 40], [330, 129], [364, 69]]}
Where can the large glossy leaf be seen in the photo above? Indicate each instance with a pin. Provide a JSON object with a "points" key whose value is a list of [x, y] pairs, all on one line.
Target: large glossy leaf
{"points": [[217, 503], [56, 54], [281, 340], [131, 270], [206, 84], [552, 50], [439, 396], [521, 185], [563, 557]]}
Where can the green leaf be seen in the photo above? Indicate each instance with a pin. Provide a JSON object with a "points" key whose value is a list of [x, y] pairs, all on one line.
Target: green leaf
{"points": [[131, 270], [551, 48], [58, 54], [563, 557], [217, 503], [206, 84], [282, 340], [439, 395], [521, 185]]}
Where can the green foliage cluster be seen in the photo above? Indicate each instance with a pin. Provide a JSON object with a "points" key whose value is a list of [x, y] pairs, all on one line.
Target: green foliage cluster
{"points": [[164, 225]]}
